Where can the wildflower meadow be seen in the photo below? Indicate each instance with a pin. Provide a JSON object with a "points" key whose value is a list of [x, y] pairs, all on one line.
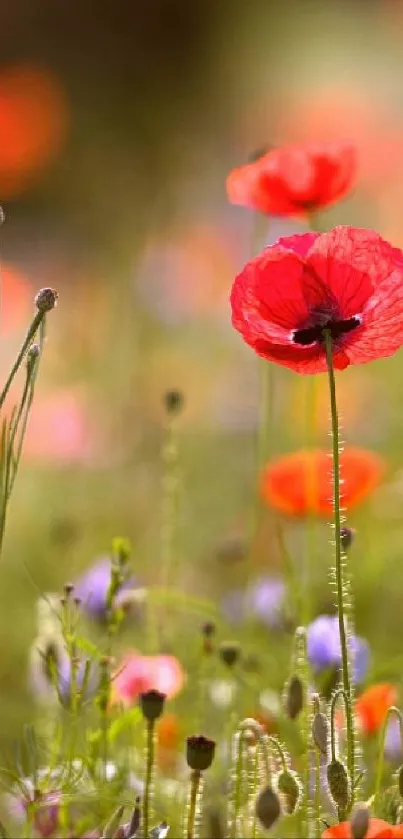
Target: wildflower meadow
{"points": [[201, 459]]}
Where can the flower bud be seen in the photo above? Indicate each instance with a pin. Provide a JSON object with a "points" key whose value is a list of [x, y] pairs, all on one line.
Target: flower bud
{"points": [[152, 704], [173, 401], [320, 732], [46, 299], [347, 535], [294, 697], [338, 782], [359, 821], [289, 786], [208, 629], [230, 652], [267, 807], [33, 354], [199, 753]]}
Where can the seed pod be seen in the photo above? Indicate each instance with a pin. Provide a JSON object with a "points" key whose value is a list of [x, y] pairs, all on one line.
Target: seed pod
{"points": [[46, 299], [199, 753], [152, 704], [338, 782], [359, 821], [294, 697], [267, 807], [230, 652], [289, 786], [320, 732]]}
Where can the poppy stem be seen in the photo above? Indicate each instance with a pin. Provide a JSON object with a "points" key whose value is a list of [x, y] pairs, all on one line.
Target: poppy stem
{"points": [[392, 711], [150, 743], [193, 809], [340, 586]]}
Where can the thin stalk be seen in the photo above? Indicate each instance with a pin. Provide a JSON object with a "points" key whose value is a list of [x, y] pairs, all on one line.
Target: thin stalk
{"points": [[195, 781], [239, 767], [149, 776], [37, 320], [339, 564], [392, 711], [316, 798]]}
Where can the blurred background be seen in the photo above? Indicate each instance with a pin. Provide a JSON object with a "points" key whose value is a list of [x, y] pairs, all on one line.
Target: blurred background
{"points": [[119, 122]]}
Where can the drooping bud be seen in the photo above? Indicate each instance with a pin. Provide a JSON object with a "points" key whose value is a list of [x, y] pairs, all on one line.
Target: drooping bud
{"points": [[173, 401], [359, 821], [320, 732], [267, 807], [32, 356], [338, 782], [230, 652], [199, 753], [347, 535], [46, 299], [294, 697], [152, 704], [289, 786]]}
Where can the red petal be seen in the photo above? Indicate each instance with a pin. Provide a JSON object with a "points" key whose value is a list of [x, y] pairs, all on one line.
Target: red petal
{"points": [[347, 261], [335, 172], [301, 243]]}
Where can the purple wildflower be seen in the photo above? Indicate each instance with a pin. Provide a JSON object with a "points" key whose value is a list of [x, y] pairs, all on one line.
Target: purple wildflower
{"points": [[263, 600], [92, 588], [324, 647], [393, 744]]}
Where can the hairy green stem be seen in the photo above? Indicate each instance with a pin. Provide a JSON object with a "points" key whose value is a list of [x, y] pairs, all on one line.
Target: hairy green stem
{"points": [[392, 711], [339, 566], [195, 781], [239, 765], [148, 777]]}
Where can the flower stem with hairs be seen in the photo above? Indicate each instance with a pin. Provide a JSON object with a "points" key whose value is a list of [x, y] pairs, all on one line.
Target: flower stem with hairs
{"points": [[392, 711], [150, 748], [340, 588], [196, 782]]}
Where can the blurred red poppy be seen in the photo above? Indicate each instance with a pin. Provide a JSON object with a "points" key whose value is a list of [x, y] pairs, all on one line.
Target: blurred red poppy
{"points": [[59, 428], [295, 180], [371, 707], [348, 281], [33, 122], [332, 111], [138, 673], [377, 829], [169, 738], [300, 483]]}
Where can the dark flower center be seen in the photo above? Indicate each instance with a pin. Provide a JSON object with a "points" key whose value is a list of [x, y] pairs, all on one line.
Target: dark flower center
{"points": [[337, 328]]}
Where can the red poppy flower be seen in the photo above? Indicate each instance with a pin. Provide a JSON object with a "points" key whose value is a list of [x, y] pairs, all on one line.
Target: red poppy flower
{"points": [[33, 124], [377, 829], [294, 180], [300, 483], [348, 281], [372, 706]]}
